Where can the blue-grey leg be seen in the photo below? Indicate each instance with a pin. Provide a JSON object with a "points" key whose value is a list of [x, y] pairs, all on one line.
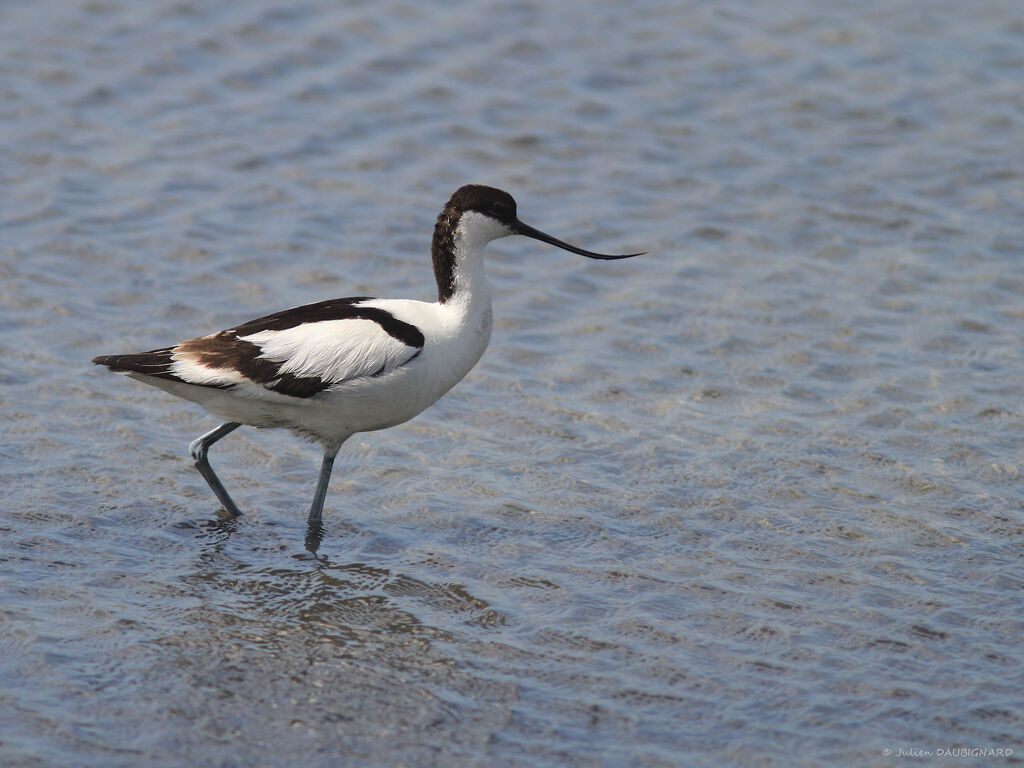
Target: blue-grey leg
{"points": [[198, 449], [317, 510]]}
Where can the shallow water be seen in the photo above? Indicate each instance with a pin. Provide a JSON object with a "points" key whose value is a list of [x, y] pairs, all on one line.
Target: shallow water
{"points": [[753, 499]]}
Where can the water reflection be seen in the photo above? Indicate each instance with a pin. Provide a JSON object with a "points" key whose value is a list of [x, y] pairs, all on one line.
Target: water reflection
{"points": [[314, 537], [255, 574], [214, 534]]}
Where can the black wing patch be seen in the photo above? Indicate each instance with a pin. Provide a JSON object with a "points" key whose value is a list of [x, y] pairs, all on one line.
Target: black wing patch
{"points": [[334, 309]]}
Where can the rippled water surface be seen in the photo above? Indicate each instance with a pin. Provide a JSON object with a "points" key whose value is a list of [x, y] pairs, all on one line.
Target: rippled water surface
{"points": [[751, 499]]}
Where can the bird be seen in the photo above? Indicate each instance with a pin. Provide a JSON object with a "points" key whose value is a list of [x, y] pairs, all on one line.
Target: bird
{"points": [[335, 368]]}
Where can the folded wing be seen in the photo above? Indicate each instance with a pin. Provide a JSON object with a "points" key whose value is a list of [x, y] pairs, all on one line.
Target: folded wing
{"points": [[299, 352]]}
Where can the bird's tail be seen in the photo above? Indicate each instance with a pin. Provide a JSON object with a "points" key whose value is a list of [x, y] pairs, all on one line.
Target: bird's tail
{"points": [[155, 363]]}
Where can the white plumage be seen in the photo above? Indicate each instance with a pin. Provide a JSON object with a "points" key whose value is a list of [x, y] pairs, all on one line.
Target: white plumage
{"points": [[331, 369]]}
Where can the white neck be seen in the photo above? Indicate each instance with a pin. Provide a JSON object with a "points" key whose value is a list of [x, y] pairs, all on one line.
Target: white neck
{"points": [[473, 233]]}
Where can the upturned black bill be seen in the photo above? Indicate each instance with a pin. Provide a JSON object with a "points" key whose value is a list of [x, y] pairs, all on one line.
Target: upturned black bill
{"points": [[525, 229]]}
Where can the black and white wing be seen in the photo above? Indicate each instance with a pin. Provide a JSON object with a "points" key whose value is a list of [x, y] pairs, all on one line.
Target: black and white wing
{"points": [[299, 352]]}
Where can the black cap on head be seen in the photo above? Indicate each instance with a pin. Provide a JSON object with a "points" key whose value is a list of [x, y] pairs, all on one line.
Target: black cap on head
{"points": [[492, 202]]}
